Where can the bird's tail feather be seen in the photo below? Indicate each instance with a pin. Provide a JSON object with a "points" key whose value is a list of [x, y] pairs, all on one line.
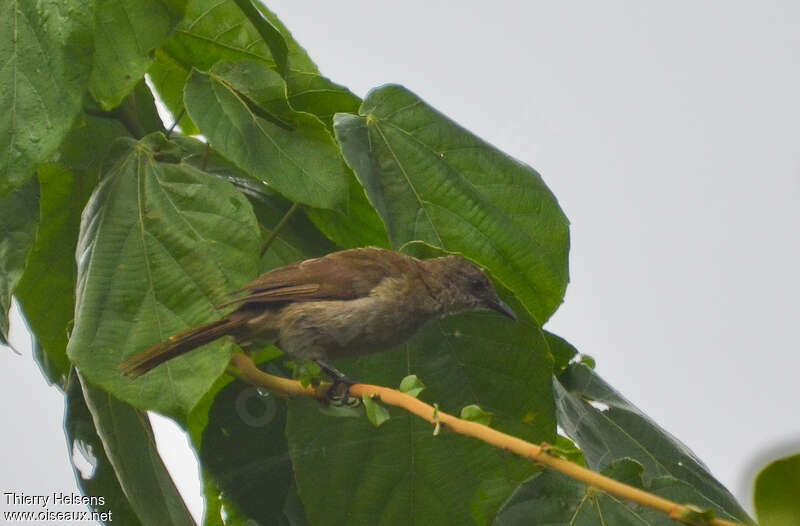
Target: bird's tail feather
{"points": [[176, 345]]}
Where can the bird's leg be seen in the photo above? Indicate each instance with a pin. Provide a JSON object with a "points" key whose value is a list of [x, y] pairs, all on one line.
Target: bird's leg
{"points": [[339, 379]]}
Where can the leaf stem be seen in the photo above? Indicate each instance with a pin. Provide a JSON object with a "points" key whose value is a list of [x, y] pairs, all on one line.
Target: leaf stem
{"points": [[175, 122], [244, 369], [278, 227]]}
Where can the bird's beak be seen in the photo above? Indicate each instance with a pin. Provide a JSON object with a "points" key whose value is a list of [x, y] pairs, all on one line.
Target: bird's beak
{"points": [[503, 308]]}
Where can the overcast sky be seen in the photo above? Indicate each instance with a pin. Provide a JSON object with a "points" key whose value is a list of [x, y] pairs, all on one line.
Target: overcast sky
{"points": [[670, 136]]}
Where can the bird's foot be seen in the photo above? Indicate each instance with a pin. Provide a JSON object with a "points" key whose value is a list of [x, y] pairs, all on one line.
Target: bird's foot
{"points": [[338, 394]]}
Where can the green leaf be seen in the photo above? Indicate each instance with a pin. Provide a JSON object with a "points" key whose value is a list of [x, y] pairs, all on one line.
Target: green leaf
{"points": [[160, 245], [308, 90], [355, 223], [222, 32], [311, 92], [244, 449], [402, 474], [46, 57], [776, 493], [433, 181], [239, 434], [269, 33], [588, 361], [696, 516], [88, 144], [474, 413], [297, 239], [562, 350], [292, 151], [46, 291], [140, 103], [376, 413], [83, 440], [168, 76], [411, 385], [623, 431], [552, 498], [19, 216], [566, 449], [126, 34], [130, 447], [305, 371], [210, 33]]}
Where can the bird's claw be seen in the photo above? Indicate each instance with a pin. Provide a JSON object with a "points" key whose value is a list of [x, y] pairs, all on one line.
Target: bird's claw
{"points": [[338, 395]]}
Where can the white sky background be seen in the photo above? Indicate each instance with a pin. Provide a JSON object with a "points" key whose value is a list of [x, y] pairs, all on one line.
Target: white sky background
{"points": [[670, 135]]}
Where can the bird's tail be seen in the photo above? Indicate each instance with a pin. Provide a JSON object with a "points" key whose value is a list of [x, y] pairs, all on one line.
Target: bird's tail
{"points": [[176, 345]]}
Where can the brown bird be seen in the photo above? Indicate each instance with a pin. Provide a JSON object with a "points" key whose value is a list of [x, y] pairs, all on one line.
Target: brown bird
{"points": [[344, 304]]}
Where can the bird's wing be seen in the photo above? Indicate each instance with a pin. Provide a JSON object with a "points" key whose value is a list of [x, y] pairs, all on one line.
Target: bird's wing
{"points": [[344, 275]]}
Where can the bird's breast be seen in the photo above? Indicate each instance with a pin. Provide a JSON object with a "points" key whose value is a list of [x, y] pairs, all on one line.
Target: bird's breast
{"points": [[389, 316]]}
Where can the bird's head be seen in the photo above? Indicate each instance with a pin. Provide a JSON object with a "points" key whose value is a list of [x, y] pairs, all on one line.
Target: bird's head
{"points": [[467, 287]]}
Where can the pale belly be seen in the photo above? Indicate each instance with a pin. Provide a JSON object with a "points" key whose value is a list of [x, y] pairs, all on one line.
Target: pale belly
{"points": [[339, 329]]}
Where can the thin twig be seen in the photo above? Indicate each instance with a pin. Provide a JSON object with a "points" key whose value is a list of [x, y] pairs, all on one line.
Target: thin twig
{"points": [[176, 121], [278, 227], [246, 370]]}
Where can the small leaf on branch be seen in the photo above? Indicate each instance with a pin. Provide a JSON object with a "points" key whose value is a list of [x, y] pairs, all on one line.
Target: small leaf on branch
{"points": [[412, 385], [306, 372], [566, 449], [696, 516], [376, 413], [587, 360], [474, 413]]}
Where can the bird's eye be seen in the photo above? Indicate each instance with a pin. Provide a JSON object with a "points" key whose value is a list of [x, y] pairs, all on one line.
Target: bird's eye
{"points": [[476, 284]]}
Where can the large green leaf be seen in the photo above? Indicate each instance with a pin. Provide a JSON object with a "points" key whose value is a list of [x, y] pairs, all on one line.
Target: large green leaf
{"points": [[562, 351], [126, 34], [355, 223], [169, 77], [210, 33], [297, 238], [622, 431], [244, 449], [270, 35], [46, 291], [243, 111], [238, 431], [348, 471], [554, 499], [776, 493], [46, 57], [161, 244], [308, 90], [83, 440], [19, 216], [311, 92], [431, 180], [130, 446], [222, 32]]}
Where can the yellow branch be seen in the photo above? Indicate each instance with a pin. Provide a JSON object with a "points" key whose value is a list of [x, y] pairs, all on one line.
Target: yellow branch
{"points": [[248, 372]]}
